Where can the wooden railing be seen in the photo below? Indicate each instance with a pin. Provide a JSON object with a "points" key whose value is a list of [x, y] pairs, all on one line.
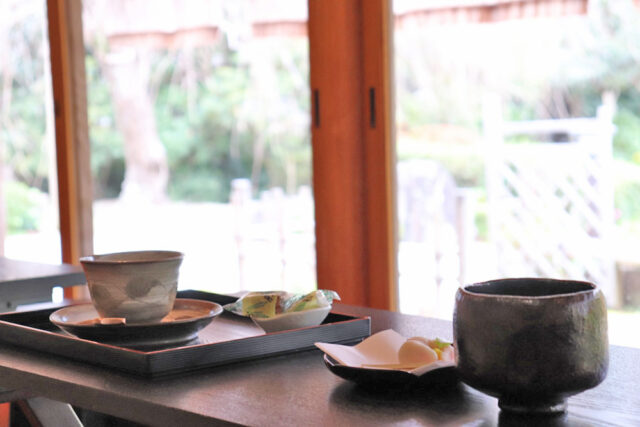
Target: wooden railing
{"points": [[551, 207]]}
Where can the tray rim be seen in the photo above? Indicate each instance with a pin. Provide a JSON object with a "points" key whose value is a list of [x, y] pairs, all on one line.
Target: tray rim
{"points": [[153, 363]]}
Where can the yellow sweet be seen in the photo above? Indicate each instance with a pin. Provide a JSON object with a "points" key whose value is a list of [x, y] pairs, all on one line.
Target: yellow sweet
{"points": [[416, 352], [423, 340], [442, 350]]}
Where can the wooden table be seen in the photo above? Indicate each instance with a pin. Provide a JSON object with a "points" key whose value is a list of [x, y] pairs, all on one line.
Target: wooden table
{"points": [[23, 282], [299, 390]]}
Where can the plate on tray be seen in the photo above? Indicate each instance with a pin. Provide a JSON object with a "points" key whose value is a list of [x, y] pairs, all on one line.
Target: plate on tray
{"points": [[180, 326]]}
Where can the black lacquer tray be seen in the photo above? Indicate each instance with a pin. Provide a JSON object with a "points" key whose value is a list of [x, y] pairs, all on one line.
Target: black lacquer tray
{"points": [[228, 339]]}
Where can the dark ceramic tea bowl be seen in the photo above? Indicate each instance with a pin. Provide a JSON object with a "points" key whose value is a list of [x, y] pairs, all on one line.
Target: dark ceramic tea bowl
{"points": [[531, 342]]}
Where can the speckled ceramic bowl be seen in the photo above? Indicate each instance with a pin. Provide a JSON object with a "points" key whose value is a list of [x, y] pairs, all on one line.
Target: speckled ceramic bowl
{"points": [[531, 342], [139, 286]]}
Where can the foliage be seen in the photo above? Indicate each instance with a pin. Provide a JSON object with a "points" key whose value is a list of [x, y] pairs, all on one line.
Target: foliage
{"points": [[433, 86], [464, 162], [564, 73], [626, 143], [222, 127], [222, 114], [627, 199], [481, 222], [22, 119], [210, 129], [107, 148], [24, 207], [199, 144], [627, 191]]}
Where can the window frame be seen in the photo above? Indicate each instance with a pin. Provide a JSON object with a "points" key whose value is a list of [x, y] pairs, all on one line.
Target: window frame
{"points": [[352, 144], [68, 78]]}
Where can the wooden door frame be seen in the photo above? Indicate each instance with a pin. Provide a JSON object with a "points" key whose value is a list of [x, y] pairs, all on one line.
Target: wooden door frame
{"points": [[352, 143], [353, 149], [75, 194]]}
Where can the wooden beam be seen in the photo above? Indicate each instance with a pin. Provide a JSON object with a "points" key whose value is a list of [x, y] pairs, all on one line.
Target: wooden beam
{"points": [[71, 125], [352, 150], [379, 153], [338, 169], [487, 12]]}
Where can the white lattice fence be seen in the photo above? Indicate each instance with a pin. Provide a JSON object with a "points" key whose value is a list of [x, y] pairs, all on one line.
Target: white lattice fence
{"points": [[551, 203]]}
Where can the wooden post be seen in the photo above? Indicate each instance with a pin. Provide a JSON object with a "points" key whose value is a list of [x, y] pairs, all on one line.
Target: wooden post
{"points": [[493, 141], [380, 154], [465, 206], [6, 85], [353, 159], [604, 145], [71, 129]]}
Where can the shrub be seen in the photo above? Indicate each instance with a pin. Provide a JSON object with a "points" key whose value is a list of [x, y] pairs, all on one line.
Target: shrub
{"points": [[23, 207], [626, 142], [627, 191]]}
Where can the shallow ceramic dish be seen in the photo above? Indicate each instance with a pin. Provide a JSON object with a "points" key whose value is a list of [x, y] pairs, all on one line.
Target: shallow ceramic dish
{"points": [[293, 320], [439, 374], [181, 325], [374, 361]]}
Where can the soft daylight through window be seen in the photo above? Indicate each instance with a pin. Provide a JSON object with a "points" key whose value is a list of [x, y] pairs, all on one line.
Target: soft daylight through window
{"points": [[518, 149], [28, 181], [199, 127]]}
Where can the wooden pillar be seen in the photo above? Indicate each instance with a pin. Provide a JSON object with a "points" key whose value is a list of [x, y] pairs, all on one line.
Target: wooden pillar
{"points": [[353, 159], [379, 148], [5, 419], [71, 128]]}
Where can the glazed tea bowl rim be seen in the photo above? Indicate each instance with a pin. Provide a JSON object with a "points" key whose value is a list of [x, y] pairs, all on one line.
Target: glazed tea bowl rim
{"points": [[465, 289], [153, 256]]}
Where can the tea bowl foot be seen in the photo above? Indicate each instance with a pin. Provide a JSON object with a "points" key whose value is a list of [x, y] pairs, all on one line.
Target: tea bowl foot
{"points": [[533, 406]]}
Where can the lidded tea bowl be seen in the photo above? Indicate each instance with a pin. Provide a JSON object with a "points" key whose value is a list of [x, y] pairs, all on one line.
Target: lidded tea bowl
{"points": [[531, 342]]}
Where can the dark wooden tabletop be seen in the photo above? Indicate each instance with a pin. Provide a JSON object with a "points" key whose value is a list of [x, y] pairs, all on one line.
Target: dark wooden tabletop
{"points": [[297, 389]]}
